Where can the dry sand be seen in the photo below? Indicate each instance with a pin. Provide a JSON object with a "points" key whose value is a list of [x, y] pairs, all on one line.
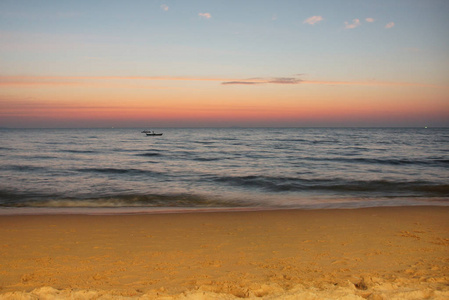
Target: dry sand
{"points": [[375, 253]]}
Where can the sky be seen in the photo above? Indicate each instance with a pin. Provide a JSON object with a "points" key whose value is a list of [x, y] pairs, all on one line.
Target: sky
{"points": [[363, 63]]}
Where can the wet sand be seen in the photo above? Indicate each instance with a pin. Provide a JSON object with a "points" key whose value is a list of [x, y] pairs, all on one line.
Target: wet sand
{"points": [[374, 253]]}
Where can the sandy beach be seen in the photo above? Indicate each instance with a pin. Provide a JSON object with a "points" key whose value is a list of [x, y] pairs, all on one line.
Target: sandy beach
{"points": [[372, 253]]}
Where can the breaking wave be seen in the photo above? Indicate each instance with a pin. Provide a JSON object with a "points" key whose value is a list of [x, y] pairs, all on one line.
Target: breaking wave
{"points": [[286, 184], [155, 200]]}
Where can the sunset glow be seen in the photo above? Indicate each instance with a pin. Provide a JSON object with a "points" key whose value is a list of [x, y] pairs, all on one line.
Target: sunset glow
{"points": [[170, 64]]}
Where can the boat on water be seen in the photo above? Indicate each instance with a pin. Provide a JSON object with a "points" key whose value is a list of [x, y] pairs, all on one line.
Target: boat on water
{"points": [[154, 134], [151, 133]]}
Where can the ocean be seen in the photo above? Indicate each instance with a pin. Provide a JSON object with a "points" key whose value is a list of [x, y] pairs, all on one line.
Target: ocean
{"points": [[125, 171]]}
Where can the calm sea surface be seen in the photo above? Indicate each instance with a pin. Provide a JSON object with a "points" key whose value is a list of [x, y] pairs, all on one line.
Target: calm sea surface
{"points": [[122, 170]]}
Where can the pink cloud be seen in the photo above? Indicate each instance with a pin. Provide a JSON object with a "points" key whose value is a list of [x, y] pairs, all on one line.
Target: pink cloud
{"points": [[389, 25], [276, 80], [205, 15], [313, 20], [369, 20], [355, 23]]}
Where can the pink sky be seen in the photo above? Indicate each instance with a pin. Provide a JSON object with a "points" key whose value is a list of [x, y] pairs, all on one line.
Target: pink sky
{"points": [[202, 63]]}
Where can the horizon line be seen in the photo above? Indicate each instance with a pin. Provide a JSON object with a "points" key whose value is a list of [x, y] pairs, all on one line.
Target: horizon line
{"points": [[237, 127]]}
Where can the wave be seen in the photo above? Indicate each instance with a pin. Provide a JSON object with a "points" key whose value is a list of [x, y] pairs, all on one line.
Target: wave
{"points": [[293, 140], [378, 161], [443, 161], [10, 197], [118, 171], [22, 168], [79, 151], [399, 161], [151, 200], [351, 160], [149, 154], [43, 157], [208, 158], [204, 142], [381, 187]]}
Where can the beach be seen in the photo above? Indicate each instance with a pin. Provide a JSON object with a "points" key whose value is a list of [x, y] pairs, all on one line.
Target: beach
{"points": [[368, 253]]}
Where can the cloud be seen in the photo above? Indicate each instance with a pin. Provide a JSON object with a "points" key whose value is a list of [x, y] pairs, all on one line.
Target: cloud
{"points": [[355, 23], [369, 20], [164, 7], [313, 20], [240, 82], [285, 80], [205, 15], [389, 25], [276, 80]]}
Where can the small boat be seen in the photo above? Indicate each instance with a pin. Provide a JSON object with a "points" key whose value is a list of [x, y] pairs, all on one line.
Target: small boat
{"points": [[151, 133]]}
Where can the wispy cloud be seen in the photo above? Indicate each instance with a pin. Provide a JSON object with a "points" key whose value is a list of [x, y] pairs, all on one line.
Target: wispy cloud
{"points": [[355, 23], [293, 80], [164, 7], [276, 80], [205, 15], [389, 25], [240, 82], [285, 80], [369, 20], [313, 20]]}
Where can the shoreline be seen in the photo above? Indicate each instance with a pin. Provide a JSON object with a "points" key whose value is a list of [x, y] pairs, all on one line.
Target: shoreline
{"points": [[383, 252], [142, 210]]}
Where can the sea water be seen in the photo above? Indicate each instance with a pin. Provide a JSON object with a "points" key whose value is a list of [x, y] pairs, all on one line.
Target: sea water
{"points": [[123, 170]]}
